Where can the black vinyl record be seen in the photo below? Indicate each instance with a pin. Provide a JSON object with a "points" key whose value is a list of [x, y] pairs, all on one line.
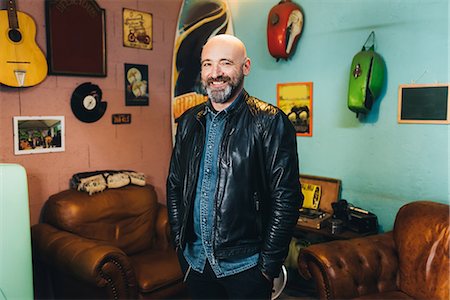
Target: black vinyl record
{"points": [[87, 104]]}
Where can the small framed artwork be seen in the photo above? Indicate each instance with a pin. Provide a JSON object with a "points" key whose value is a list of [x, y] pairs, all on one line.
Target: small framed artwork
{"points": [[137, 29], [424, 103], [38, 134], [76, 38], [118, 119], [295, 100], [136, 85]]}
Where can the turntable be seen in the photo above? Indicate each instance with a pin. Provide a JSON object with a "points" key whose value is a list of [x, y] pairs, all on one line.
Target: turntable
{"points": [[313, 218], [319, 193]]}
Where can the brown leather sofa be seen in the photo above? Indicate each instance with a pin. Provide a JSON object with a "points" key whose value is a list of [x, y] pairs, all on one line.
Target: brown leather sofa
{"points": [[114, 244], [410, 262]]}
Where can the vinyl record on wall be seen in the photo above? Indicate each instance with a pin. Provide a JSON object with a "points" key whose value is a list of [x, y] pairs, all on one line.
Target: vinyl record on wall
{"points": [[87, 104]]}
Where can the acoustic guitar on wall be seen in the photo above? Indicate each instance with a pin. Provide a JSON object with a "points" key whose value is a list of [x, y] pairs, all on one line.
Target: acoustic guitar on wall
{"points": [[22, 63]]}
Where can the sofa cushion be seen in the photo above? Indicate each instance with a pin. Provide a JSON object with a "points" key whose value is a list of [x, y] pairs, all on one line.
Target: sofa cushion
{"points": [[156, 269], [421, 234], [123, 217]]}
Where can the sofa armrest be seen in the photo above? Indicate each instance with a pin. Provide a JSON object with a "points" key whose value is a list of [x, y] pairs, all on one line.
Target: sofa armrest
{"points": [[162, 228], [90, 261], [352, 268]]}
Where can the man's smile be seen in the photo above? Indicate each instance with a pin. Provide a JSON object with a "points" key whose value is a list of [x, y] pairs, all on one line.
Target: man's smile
{"points": [[218, 83]]}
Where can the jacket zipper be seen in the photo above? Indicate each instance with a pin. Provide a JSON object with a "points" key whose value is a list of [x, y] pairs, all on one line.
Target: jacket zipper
{"points": [[255, 197]]}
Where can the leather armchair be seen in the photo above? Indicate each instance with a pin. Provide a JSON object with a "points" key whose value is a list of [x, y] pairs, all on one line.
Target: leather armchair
{"points": [[113, 244], [410, 262]]}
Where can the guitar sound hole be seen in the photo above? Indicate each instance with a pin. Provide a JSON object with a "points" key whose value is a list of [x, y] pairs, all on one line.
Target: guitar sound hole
{"points": [[15, 35]]}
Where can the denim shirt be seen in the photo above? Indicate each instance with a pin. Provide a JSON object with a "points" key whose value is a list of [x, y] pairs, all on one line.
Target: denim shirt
{"points": [[201, 249]]}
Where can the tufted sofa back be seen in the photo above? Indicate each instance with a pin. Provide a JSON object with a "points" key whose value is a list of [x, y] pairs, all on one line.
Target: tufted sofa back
{"points": [[123, 217], [410, 262], [421, 235]]}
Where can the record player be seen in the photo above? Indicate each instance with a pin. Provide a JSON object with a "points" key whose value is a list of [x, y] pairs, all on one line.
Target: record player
{"points": [[319, 193], [313, 218]]}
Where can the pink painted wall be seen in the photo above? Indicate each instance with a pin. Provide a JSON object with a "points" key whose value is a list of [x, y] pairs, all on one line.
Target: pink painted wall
{"points": [[144, 145]]}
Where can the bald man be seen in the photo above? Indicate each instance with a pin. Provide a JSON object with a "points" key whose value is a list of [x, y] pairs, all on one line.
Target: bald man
{"points": [[233, 189]]}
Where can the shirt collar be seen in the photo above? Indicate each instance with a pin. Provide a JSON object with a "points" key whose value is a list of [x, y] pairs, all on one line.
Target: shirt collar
{"points": [[210, 109]]}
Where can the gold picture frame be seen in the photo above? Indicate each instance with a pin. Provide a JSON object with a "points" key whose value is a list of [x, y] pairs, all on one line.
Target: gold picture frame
{"points": [[137, 29]]}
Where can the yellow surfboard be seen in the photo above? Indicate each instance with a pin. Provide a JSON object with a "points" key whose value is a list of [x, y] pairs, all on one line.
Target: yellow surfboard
{"points": [[197, 22]]}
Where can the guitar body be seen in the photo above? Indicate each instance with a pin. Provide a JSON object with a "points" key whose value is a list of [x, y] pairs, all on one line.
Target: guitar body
{"points": [[22, 63]]}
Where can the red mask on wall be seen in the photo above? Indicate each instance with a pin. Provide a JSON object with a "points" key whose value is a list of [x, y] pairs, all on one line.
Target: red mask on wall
{"points": [[284, 25]]}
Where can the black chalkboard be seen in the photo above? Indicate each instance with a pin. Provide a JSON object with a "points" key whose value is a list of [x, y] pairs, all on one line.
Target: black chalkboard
{"points": [[424, 103]]}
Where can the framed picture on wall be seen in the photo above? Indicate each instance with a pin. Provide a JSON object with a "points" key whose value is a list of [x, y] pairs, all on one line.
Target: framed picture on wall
{"points": [[38, 134], [424, 103], [76, 38], [137, 29], [295, 99], [136, 85]]}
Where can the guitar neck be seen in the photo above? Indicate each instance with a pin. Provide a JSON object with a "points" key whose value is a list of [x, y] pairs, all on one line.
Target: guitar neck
{"points": [[12, 15]]}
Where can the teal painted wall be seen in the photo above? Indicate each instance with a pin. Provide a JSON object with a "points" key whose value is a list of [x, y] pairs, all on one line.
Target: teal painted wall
{"points": [[382, 164]]}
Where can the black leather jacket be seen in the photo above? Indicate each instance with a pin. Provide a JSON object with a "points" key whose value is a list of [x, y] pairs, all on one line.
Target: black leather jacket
{"points": [[258, 191]]}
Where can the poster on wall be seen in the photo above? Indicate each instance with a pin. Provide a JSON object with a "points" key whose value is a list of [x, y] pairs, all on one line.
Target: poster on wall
{"points": [[38, 134], [136, 85], [295, 99], [137, 29]]}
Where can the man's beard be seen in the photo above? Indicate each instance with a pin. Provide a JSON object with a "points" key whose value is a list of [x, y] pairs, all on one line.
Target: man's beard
{"points": [[222, 95]]}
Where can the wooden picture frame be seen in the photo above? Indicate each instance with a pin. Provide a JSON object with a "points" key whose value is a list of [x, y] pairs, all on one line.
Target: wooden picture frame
{"points": [[295, 100], [76, 38], [424, 103], [38, 134]]}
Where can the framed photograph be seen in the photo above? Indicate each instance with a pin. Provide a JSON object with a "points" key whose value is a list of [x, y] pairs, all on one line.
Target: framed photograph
{"points": [[295, 99], [424, 103], [76, 38], [38, 134], [136, 85], [137, 29]]}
